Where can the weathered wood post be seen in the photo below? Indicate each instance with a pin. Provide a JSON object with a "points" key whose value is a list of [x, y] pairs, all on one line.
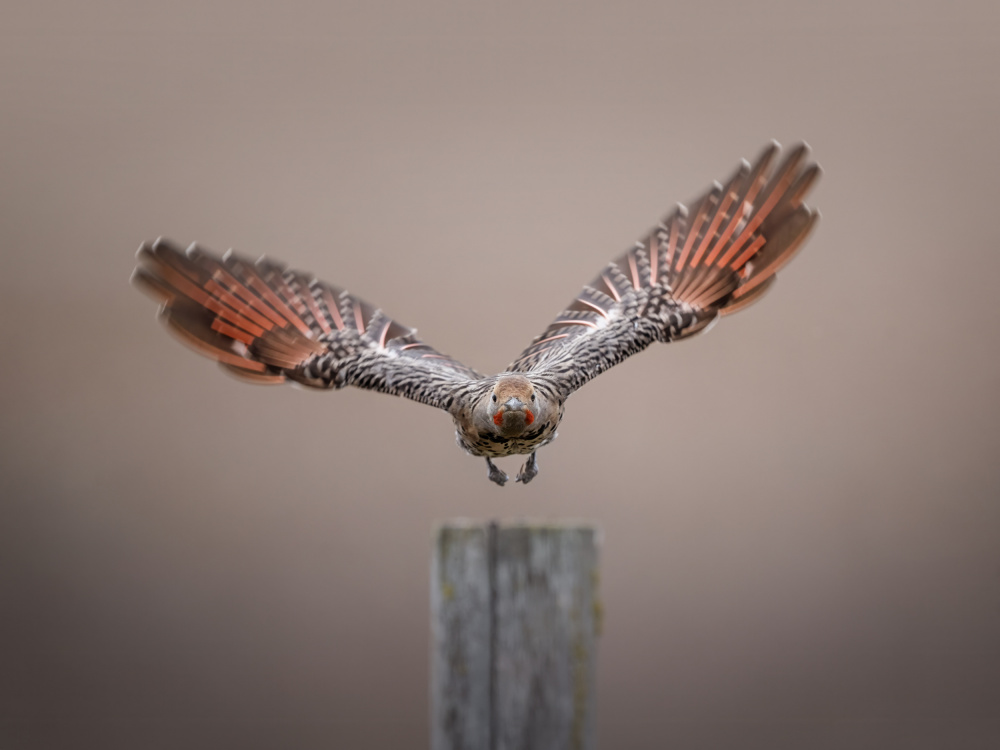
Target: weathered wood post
{"points": [[514, 618]]}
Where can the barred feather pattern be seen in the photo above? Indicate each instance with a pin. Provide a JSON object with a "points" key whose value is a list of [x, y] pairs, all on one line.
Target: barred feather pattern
{"points": [[269, 324], [694, 266]]}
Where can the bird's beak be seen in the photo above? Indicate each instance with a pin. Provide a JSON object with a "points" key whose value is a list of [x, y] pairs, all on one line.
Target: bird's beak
{"points": [[513, 404]]}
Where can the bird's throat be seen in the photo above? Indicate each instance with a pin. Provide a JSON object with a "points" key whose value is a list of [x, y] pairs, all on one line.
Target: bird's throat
{"points": [[513, 423]]}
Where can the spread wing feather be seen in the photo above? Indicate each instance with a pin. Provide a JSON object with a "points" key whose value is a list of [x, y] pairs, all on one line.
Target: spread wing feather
{"points": [[696, 265], [268, 324]]}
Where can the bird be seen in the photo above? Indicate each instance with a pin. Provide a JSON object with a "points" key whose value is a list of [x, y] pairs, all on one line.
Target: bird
{"points": [[268, 324]]}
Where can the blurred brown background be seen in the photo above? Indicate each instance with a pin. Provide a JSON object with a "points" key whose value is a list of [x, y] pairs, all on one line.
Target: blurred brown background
{"points": [[800, 509]]}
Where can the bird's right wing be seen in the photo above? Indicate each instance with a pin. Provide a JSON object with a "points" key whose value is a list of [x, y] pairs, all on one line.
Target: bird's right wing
{"points": [[267, 324], [694, 266]]}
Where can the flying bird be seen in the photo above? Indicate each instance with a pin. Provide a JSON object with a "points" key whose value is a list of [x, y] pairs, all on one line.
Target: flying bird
{"points": [[268, 324]]}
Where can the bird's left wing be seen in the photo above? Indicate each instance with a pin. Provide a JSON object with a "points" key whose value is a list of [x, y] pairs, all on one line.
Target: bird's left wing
{"points": [[715, 259], [268, 324]]}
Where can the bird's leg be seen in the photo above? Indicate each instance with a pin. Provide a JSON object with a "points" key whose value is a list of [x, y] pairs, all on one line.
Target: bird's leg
{"points": [[529, 471], [496, 475]]}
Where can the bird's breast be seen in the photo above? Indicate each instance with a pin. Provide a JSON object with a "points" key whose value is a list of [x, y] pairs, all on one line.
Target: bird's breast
{"points": [[489, 443]]}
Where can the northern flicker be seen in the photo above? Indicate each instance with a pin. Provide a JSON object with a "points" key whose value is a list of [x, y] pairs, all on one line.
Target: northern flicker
{"points": [[267, 324]]}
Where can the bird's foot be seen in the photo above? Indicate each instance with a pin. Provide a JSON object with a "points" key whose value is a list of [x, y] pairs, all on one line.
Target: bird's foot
{"points": [[496, 474], [529, 471]]}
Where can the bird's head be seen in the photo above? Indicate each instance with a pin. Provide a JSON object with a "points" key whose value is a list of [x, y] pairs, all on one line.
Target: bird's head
{"points": [[512, 406]]}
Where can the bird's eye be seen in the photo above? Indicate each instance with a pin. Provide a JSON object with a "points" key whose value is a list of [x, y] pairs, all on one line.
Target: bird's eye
{"points": [[494, 397], [532, 396]]}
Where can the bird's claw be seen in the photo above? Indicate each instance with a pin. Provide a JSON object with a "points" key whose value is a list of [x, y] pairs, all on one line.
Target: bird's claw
{"points": [[496, 474], [528, 471]]}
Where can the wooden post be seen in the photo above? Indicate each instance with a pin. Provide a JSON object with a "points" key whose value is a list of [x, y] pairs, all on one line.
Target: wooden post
{"points": [[514, 619]]}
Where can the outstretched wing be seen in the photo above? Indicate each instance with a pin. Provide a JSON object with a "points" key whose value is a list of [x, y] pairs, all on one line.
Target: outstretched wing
{"points": [[713, 260], [268, 324]]}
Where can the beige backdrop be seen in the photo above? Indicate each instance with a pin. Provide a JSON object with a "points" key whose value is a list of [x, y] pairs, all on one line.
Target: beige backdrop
{"points": [[800, 510]]}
